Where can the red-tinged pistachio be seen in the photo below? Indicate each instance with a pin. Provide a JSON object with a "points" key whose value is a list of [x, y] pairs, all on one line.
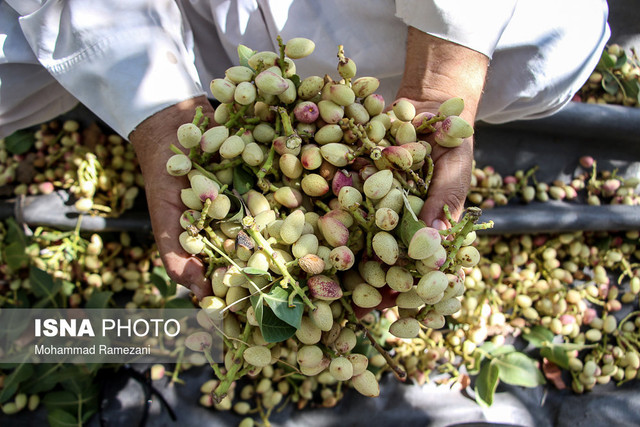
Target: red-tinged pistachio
{"points": [[557, 193], [378, 185], [289, 95], [213, 138], [310, 87], [375, 131], [189, 135], [256, 202], [432, 284], [365, 86], [342, 258], [290, 165], [447, 141], [366, 384], [204, 187], [399, 279], [341, 179], [341, 95], [232, 147], [386, 219], [399, 157], [404, 110], [346, 340], [324, 288], [341, 368], [456, 127], [292, 227], [347, 68], [437, 259], [406, 327], [586, 162], [310, 157], [433, 320], [385, 247], [405, 133], [288, 197], [306, 112], [359, 362], [424, 243], [189, 217], [374, 104], [314, 185], [311, 264], [447, 307], [271, 83], [220, 207], [330, 111], [357, 112], [330, 133], [264, 112], [299, 47], [222, 90], [264, 218], [191, 244], [451, 107], [266, 58], [333, 231], [191, 199], [341, 215], [280, 146], [337, 154], [239, 73], [417, 150], [322, 316], [178, 165]]}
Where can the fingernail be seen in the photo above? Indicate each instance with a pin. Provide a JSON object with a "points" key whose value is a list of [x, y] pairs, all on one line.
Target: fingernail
{"points": [[439, 224]]}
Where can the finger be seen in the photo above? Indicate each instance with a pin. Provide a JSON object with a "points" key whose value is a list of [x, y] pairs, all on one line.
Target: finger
{"points": [[388, 300], [450, 184]]}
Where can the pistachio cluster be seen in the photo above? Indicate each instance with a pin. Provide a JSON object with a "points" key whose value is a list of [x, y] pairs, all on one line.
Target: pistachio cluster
{"points": [[616, 79], [589, 184], [100, 170], [304, 203]]}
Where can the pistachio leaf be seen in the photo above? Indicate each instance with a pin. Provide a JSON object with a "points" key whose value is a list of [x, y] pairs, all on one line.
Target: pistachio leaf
{"points": [[518, 369], [19, 142], [538, 336], [486, 384], [244, 53]]}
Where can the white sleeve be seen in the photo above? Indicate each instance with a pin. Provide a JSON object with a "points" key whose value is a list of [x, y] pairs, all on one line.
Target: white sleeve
{"points": [[124, 59], [475, 24]]}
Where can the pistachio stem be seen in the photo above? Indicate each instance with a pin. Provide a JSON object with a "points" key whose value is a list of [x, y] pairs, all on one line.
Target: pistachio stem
{"points": [[225, 382]]}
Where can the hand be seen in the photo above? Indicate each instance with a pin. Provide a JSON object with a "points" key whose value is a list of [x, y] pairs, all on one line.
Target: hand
{"points": [[151, 141]]}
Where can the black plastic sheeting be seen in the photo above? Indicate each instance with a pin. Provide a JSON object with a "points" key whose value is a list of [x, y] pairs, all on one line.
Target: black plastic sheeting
{"points": [[398, 404]]}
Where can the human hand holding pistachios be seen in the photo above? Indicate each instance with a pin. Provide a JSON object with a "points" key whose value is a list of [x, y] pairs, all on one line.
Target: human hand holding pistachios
{"points": [[151, 140]]}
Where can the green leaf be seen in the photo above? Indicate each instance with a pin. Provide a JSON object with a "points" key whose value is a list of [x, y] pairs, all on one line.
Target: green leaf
{"points": [[243, 180], [278, 301], [503, 349], [42, 284], [273, 328], [518, 369], [256, 272], [46, 377], [296, 80], [409, 225], [244, 53], [609, 84], [632, 88], [622, 59], [159, 283], [606, 61], [486, 384], [556, 354], [99, 299], [13, 380], [538, 336], [19, 142], [60, 418], [15, 256], [62, 400]]}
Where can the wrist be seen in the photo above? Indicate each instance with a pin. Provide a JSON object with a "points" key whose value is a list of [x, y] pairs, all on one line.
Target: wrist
{"points": [[437, 69]]}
